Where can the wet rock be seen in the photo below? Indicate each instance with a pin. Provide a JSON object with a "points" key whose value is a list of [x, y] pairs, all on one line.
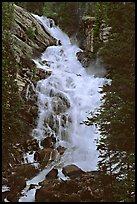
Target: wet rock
{"points": [[52, 121], [53, 174], [43, 155], [41, 74], [72, 170], [61, 150], [4, 195], [52, 92], [32, 100], [84, 58], [65, 120], [48, 142], [32, 186], [64, 134], [64, 98], [54, 155], [43, 62], [60, 103]]}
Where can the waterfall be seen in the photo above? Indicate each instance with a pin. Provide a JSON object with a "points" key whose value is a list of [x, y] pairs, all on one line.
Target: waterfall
{"points": [[65, 99]]}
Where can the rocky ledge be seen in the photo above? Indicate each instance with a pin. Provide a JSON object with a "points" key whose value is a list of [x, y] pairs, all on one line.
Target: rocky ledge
{"points": [[80, 188]]}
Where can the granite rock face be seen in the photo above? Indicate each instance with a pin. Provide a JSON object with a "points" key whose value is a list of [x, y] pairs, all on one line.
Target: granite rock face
{"points": [[30, 37], [30, 40]]}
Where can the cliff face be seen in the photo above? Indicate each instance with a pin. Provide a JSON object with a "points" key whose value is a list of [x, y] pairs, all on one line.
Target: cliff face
{"points": [[30, 38]]}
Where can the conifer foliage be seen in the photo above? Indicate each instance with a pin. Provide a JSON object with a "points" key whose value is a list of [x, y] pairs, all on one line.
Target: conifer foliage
{"points": [[116, 120]]}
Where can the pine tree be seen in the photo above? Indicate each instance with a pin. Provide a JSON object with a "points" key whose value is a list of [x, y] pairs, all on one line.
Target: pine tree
{"points": [[116, 120]]}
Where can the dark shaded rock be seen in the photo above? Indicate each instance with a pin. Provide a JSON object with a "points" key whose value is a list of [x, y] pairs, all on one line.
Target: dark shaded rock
{"points": [[29, 118], [26, 170], [17, 184], [41, 74], [61, 150], [72, 170], [48, 142], [13, 197], [84, 57], [65, 120], [44, 195], [43, 155], [87, 195], [27, 63], [64, 98], [51, 119], [32, 186], [31, 145], [53, 174], [20, 182], [4, 181], [58, 105], [54, 155], [82, 188], [34, 110]]}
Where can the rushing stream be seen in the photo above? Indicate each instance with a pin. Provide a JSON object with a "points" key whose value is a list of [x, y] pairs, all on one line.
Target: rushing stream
{"points": [[65, 99]]}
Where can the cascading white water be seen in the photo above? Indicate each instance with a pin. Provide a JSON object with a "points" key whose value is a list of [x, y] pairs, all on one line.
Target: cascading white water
{"points": [[70, 81]]}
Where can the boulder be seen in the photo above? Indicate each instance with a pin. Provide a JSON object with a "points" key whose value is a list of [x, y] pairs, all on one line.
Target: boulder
{"points": [[44, 194], [61, 150], [17, 184], [72, 170], [48, 142], [53, 174], [43, 155], [25, 170]]}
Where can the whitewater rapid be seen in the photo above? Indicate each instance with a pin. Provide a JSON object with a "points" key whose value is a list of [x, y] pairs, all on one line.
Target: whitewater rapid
{"points": [[82, 90]]}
